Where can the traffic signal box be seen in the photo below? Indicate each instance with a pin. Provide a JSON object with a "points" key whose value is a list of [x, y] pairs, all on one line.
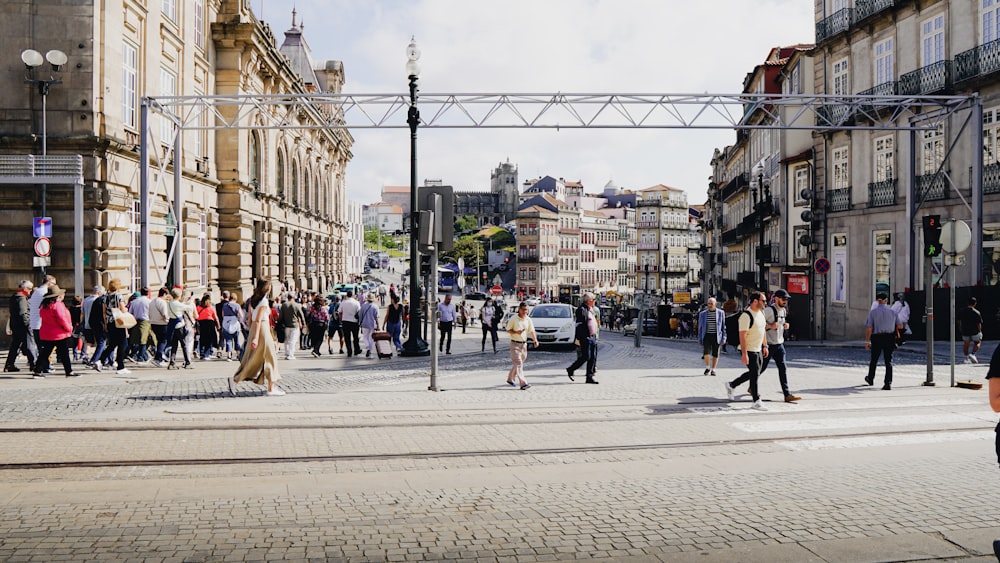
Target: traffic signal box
{"points": [[932, 235]]}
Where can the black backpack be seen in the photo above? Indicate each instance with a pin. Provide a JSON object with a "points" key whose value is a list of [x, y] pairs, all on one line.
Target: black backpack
{"points": [[733, 327], [96, 317]]}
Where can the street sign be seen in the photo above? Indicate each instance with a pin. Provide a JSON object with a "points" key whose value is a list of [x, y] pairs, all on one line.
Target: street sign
{"points": [[682, 297], [461, 273], [41, 261], [822, 265], [41, 227], [963, 236], [496, 290], [954, 259], [43, 246]]}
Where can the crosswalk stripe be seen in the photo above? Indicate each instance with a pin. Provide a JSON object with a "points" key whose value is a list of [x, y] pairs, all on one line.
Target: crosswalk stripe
{"points": [[881, 441]]}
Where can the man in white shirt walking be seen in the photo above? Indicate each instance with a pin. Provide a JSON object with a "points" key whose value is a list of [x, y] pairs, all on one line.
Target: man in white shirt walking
{"points": [[754, 349], [348, 312], [446, 322]]}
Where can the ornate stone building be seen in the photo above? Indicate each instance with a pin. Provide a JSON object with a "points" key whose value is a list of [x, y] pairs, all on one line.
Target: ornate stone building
{"points": [[256, 202], [497, 206]]}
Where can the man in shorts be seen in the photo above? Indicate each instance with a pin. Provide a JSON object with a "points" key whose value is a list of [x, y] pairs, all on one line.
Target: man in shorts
{"points": [[971, 324], [711, 334]]}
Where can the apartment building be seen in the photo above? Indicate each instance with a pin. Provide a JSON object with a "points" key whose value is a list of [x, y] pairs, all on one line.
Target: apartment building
{"points": [[538, 250], [872, 198], [662, 239]]}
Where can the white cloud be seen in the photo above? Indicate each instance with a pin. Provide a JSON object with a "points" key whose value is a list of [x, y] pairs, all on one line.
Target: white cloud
{"points": [[534, 46]]}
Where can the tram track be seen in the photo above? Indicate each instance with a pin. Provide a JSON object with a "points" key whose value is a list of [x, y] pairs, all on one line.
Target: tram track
{"points": [[328, 458]]}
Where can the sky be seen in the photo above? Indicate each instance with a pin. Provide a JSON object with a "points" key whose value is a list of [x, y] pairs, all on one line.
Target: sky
{"points": [[544, 47]]}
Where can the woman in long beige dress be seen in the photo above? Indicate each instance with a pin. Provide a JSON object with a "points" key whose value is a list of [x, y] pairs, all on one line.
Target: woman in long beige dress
{"points": [[259, 360]]}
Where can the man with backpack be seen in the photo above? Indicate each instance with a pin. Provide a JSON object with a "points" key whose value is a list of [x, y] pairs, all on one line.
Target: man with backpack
{"points": [[752, 346], [775, 315]]}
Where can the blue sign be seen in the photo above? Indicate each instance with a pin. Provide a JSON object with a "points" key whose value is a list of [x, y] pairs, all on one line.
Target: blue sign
{"points": [[42, 227]]}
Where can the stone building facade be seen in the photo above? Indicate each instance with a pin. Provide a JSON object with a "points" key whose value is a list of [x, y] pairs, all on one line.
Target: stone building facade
{"points": [[256, 202]]}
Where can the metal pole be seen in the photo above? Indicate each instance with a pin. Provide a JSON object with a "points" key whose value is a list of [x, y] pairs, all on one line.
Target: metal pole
{"points": [[78, 240], [929, 285], [951, 292], [432, 314], [178, 214], [977, 193], [414, 345], [43, 89], [144, 193]]}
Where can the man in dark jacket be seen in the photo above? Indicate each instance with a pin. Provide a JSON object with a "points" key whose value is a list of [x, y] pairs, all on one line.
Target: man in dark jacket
{"points": [[586, 339], [21, 338]]}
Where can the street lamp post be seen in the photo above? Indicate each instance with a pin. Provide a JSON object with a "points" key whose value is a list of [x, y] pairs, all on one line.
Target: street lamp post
{"points": [[415, 345], [33, 59]]}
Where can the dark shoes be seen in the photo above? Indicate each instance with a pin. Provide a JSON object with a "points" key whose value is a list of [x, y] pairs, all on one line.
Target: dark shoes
{"points": [[887, 387], [592, 380], [512, 384], [569, 372], [73, 374], [525, 386], [11, 368], [869, 380]]}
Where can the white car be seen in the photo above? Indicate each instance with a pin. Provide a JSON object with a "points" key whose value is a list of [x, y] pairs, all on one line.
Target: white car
{"points": [[532, 301], [554, 324]]}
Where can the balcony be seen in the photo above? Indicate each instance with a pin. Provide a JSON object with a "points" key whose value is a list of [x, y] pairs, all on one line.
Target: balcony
{"points": [[931, 187], [864, 9], [978, 61], [730, 237], [838, 200], [734, 185], [528, 259], [569, 252], [885, 89], [931, 79], [652, 269], [771, 253], [839, 22], [882, 194], [991, 178], [746, 279], [648, 203], [676, 268], [648, 246], [833, 114]]}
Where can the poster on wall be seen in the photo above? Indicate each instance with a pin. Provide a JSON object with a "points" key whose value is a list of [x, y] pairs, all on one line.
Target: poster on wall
{"points": [[840, 275], [798, 284]]}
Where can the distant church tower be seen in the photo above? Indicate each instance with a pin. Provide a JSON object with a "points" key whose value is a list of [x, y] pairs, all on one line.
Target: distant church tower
{"points": [[503, 182]]}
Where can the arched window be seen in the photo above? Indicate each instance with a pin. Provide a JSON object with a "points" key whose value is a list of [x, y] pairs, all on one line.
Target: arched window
{"points": [[255, 165], [279, 173], [295, 182], [307, 192]]}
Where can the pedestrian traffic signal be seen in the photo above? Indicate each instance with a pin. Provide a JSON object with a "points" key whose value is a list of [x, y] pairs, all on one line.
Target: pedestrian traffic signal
{"points": [[932, 235]]}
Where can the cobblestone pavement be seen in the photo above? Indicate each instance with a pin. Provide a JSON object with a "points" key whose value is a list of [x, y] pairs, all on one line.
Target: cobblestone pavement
{"points": [[359, 462]]}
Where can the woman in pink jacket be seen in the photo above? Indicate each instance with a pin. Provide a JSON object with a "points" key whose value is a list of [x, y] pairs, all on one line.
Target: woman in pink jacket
{"points": [[56, 332]]}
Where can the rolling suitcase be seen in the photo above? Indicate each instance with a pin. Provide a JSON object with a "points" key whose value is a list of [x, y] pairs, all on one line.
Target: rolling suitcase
{"points": [[383, 344]]}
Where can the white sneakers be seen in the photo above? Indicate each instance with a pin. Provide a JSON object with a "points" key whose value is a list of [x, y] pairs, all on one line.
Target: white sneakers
{"points": [[275, 392], [758, 406], [123, 371], [729, 390], [973, 358]]}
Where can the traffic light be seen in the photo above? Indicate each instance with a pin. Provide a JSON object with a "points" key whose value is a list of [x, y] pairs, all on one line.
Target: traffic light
{"points": [[425, 265], [932, 235]]}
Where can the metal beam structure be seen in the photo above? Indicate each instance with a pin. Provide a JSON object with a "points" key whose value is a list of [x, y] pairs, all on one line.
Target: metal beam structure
{"points": [[814, 112]]}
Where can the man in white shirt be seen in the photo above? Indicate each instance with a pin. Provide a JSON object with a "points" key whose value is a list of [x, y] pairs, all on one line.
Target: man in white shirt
{"points": [[159, 314], [754, 348], [446, 322], [348, 312]]}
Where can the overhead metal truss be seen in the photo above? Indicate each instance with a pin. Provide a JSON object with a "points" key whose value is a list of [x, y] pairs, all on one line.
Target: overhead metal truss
{"points": [[561, 111], [748, 111]]}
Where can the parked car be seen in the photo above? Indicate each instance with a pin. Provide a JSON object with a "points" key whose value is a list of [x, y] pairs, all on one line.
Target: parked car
{"points": [[554, 324], [648, 327], [532, 301], [477, 296]]}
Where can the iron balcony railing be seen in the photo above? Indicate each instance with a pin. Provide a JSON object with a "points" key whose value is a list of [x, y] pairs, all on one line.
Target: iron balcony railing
{"points": [[931, 187], [882, 194], [730, 237], [930, 79], [991, 178], [838, 200], [834, 114], [864, 9], [770, 253], [978, 61], [885, 89], [840, 21]]}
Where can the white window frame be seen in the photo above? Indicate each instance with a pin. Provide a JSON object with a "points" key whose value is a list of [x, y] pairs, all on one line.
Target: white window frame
{"points": [[169, 9], [991, 135], [800, 181], [932, 150], [989, 12], [841, 73], [168, 87], [135, 246], [199, 24], [130, 84], [881, 259], [932, 40], [884, 55], [203, 249], [841, 168], [885, 158]]}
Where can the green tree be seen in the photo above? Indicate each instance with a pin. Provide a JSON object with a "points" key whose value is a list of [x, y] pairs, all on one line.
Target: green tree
{"points": [[466, 223], [467, 248]]}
